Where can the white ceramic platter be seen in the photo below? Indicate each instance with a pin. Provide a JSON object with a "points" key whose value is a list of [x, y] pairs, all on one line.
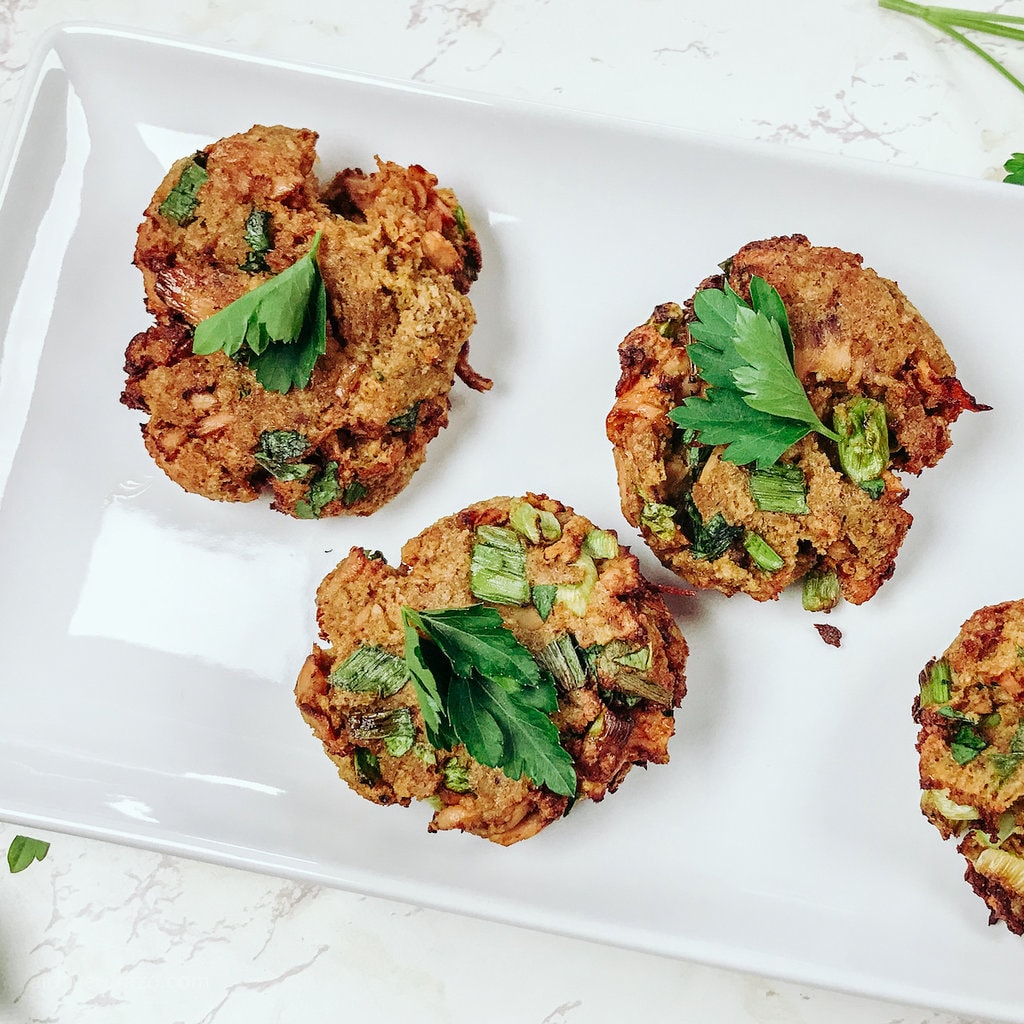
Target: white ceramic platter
{"points": [[150, 639]]}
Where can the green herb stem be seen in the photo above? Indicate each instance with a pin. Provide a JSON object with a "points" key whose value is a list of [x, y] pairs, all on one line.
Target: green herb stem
{"points": [[950, 19]]}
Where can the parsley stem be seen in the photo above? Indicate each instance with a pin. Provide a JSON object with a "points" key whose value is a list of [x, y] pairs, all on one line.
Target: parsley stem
{"points": [[945, 18]]}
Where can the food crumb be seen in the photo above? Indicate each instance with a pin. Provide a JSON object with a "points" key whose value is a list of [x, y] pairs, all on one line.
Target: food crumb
{"points": [[830, 634]]}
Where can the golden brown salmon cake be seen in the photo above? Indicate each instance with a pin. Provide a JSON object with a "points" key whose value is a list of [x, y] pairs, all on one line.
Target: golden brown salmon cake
{"points": [[514, 662], [970, 710], [825, 510], [396, 255]]}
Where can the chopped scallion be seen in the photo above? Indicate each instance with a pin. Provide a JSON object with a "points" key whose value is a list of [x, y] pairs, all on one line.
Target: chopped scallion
{"points": [[935, 681], [601, 544], [561, 658], [779, 488], [456, 775], [659, 519], [371, 669], [394, 727], [533, 523], [577, 595], [821, 591], [763, 555], [497, 568], [616, 665], [863, 439]]}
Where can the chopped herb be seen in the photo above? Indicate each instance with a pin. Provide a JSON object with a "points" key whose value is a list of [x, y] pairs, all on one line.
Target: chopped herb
{"points": [[394, 727], [279, 328], [533, 523], [371, 669], [659, 519], [779, 488], [967, 744], [181, 202], [762, 553], [561, 658], [820, 591], [323, 489], [367, 766], [497, 568], [543, 596], [456, 775], [935, 682], [354, 491], [600, 544], [257, 238], [754, 403], [1006, 764], [23, 851], [712, 539], [875, 488], [479, 686], [460, 220], [277, 451], [406, 420], [863, 439]]}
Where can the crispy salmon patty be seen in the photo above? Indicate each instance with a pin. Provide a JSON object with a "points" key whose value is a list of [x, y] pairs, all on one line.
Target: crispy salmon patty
{"points": [[858, 347], [970, 713], [396, 254], [590, 631]]}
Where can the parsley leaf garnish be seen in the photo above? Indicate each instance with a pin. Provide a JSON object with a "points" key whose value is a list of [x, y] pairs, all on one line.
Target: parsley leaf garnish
{"points": [[479, 686], [754, 403], [279, 328]]}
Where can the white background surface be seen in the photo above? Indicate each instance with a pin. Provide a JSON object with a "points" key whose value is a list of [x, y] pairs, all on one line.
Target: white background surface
{"points": [[101, 933]]}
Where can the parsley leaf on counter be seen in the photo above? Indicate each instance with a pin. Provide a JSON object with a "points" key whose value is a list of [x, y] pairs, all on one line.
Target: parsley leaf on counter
{"points": [[754, 404], [279, 328], [23, 851], [479, 686]]}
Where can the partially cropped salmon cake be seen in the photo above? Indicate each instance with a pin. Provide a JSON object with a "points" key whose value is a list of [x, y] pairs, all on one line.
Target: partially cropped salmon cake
{"points": [[970, 711], [514, 662], [758, 429], [306, 337]]}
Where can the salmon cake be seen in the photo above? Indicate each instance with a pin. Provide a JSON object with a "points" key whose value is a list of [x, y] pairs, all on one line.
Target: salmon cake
{"points": [[306, 337], [970, 713], [758, 429], [515, 662]]}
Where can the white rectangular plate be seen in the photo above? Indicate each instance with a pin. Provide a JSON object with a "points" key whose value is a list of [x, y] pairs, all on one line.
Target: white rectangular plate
{"points": [[150, 638]]}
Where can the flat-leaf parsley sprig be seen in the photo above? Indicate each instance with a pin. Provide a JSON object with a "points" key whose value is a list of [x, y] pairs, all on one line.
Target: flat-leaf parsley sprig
{"points": [[479, 686], [950, 20], [754, 403], [279, 328]]}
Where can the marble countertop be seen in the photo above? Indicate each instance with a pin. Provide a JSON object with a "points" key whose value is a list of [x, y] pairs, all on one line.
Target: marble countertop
{"points": [[101, 933]]}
